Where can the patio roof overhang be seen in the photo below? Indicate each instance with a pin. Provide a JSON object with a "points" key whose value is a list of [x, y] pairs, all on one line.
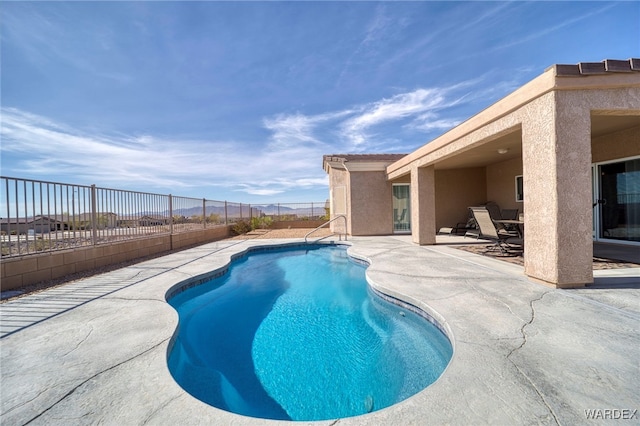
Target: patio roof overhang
{"points": [[485, 139]]}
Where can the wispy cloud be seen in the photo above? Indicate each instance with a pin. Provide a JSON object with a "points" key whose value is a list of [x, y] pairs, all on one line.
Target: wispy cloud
{"points": [[288, 159], [295, 129], [449, 27], [429, 122], [553, 28], [52, 43], [279, 186], [52, 148], [373, 126], [381, 28], [398, 107], [49, 148]]}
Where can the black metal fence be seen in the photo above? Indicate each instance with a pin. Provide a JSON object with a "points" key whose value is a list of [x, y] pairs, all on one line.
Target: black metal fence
{"points": [[39, 216]]}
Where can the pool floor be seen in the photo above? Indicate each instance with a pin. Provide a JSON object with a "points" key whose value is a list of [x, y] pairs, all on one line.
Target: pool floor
{"points": [[296, 334]]}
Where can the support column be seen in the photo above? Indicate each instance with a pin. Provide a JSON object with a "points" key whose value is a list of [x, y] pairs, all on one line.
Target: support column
{"points": [[423, 205], [556, 154]]}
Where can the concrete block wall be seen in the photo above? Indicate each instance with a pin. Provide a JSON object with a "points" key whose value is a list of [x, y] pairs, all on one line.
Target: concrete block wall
{"points": [[32, 269], [296, 224], [189, 239]]}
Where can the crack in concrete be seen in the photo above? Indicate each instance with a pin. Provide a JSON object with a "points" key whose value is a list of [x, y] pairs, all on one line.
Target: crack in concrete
{"points": [[23, 403], [469, 342], [451, 296], [487, 296], [139, 273], [419, 276], [161, 407], [535, 388], [68, 394], [80, 342], [524, 342], [533, 317], [382, 251]]}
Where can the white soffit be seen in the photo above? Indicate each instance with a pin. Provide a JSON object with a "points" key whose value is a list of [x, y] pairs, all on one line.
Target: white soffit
{"points": [[366, 166]]}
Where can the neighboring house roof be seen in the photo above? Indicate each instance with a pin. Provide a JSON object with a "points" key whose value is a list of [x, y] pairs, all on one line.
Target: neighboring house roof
{"points": [[362, 157], [29, 220], [56, 218], [150, 217], [363, 162]]}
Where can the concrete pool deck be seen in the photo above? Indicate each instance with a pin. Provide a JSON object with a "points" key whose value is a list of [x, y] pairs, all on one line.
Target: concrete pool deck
{"points": [[94, 350]]}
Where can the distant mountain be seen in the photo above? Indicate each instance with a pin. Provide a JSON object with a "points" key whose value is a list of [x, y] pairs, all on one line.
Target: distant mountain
{"points": [[233, 210], [274, 209]]}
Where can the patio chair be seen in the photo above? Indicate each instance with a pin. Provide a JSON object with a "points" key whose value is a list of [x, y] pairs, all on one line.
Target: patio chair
{"points": [[504, 240], [511, 214], [467, 228], [494, 210], [464, 228], [497, 214]]}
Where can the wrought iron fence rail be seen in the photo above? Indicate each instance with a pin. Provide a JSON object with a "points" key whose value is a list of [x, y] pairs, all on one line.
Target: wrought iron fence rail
{"points": [[42, 216]]}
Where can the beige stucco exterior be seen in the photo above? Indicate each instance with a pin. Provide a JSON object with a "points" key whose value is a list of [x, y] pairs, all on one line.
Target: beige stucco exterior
{"points": [[622, 144], [361, 192], [550, 132]]}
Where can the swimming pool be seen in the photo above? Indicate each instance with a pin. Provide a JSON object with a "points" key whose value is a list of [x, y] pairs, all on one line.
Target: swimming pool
{"points": [[295, 333]]}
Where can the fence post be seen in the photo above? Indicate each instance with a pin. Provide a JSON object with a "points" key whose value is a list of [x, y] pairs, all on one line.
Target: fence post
{"points": [[170, 214], [279, 218], [240, 211], [312, 215], [250, 213], [204, 213], [94, 216], [226, 218]]}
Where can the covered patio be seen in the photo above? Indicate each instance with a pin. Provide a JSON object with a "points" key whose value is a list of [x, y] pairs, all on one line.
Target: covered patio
{"points": [[546, 149]]}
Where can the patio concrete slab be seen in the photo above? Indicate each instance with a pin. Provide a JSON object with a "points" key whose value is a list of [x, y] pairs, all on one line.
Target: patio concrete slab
{"points": [[94, 351]]}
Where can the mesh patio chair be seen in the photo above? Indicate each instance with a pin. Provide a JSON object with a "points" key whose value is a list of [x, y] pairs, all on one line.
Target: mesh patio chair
{"points": [[497, 214], [467, 228], [511, 214], [494, 210], [503, 240]]}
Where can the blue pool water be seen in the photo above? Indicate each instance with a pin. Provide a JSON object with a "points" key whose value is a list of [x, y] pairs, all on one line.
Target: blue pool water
{"points": [[296, 334]]}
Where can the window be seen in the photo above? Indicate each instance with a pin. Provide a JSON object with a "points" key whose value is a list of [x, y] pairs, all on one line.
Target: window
{"points": [[619, 200], [401, 206], [519, 189]]}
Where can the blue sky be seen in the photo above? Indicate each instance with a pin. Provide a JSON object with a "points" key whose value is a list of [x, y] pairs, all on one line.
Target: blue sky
{"points": [[239, 101]]}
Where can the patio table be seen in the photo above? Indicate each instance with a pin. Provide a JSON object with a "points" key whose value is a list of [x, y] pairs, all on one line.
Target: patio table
{"points": [[517, 224]]}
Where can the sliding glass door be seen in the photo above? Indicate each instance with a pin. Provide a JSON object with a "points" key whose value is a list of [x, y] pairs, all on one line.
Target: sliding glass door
{"points": [[617, 203], [401, 205]]}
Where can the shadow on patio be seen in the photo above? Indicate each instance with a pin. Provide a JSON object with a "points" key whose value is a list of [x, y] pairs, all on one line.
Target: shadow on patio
{"points": [[605, 256]]}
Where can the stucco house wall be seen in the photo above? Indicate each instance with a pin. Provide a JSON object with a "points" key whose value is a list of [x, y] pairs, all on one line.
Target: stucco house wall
{"points": [[360, 189], [370, 203], [501, 183], [339, 194], [622, 144], [456, 190]]}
